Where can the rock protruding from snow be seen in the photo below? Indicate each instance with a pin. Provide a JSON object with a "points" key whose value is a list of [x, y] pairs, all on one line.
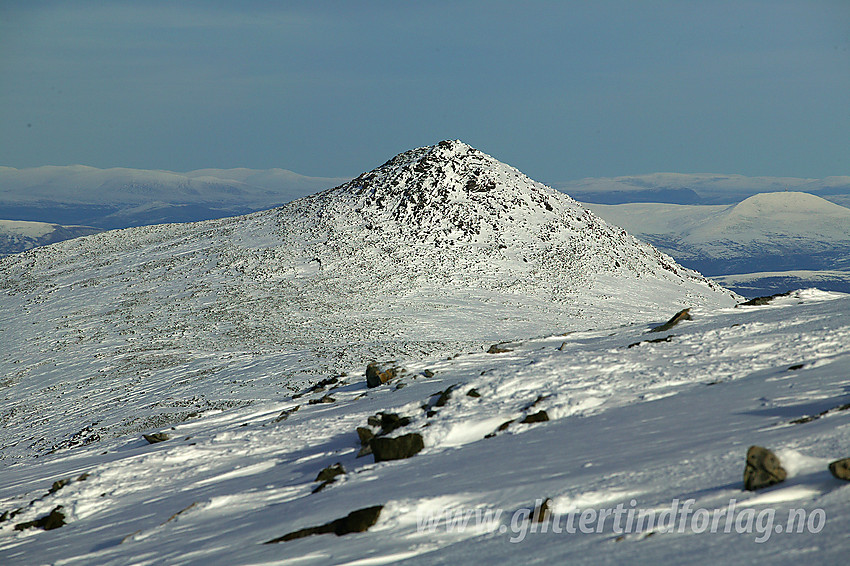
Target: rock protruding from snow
{"points": [[397, 448], [840, 469], [763, 469]]}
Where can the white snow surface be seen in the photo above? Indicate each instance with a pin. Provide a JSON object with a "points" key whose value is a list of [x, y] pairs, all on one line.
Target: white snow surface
{"points": [[204, 331], [650, 423]]}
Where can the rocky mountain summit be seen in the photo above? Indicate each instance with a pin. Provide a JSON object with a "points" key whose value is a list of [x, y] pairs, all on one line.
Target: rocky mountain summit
{"points": [[441, 250], [451, 214]]}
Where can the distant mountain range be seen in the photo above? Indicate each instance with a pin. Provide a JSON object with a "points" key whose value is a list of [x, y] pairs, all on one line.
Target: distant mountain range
{"points": [[700, 188], [120, 198], [768, 232], [17, 236], [731, 224]]}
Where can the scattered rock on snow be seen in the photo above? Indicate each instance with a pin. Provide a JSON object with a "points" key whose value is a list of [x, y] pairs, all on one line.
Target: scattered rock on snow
{"points": [[538, 417], [58, 484], [444, 396], [762, 469], [841, 469], [52, 520], [810, 418], [328, 476], [391, 422], [758, 301], [653, 341], [355, 522], [684, 314], [473, 393], [331, 472], [285, 413], [322, 400], [365, 434], [397, 448], [498, 349], [156, 437], [541, 511], [377, 375]]}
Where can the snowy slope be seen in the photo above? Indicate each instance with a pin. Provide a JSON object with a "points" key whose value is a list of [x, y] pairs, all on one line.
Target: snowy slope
{"points": [[699, 188], [121, 197], [440, 249], [765, 232], [644, 425], [17, 236], [204, 331]]}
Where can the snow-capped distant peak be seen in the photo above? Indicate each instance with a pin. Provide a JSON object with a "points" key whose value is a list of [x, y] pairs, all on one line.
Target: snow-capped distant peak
{"points": [[793, 202]]}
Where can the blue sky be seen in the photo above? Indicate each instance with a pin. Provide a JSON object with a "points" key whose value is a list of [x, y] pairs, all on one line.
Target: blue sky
{"points": [[561, 90]]}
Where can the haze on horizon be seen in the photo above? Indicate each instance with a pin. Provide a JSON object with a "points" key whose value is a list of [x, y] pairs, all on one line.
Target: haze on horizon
{"points": [[560, 90]]}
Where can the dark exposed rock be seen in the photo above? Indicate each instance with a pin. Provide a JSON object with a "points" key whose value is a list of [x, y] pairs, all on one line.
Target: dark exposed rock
{"points": [[327, 381], [653, 341], [355, 522], [328, 476], [444, 396], [841, 469], [795, 367], [156, 437], [397, 448], [285, 413], [502, 427], [542, 511], [377, 375], [365, 434], [322, 400], [52, 520], [806, 419], [538, 417], [758, 301], [810, 418], [498, 349], [684, 314], [391, 422], [428, 373], [331, 472], [473, 393], [763, 469], [59, 484]]}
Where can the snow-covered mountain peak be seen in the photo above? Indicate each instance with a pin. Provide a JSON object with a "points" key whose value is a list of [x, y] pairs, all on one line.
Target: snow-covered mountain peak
{"points": [[447, 182], [411, 259], [451, 212], [787, 202]]}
